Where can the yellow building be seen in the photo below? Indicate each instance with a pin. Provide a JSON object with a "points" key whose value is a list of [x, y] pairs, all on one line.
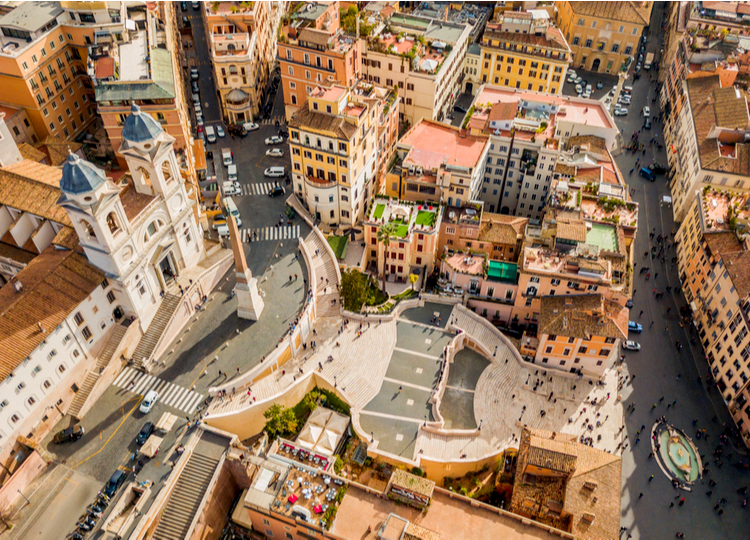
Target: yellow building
{"points": [[335, 144], [603, 35], [524, 50]]}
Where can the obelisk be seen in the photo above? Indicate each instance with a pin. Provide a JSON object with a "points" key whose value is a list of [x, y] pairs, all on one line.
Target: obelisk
{"points": [[249, 303]]}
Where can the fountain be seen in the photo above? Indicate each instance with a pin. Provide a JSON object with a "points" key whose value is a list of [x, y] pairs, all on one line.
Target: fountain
{"points": [[677, 454]]}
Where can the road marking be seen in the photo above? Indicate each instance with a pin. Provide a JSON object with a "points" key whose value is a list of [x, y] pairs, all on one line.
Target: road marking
{"points": [[170, 394], [263, 234], [110, 437]]}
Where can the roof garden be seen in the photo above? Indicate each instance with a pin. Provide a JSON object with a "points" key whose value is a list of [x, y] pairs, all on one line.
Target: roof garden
{"points": [[724, 210], [407, 217]]}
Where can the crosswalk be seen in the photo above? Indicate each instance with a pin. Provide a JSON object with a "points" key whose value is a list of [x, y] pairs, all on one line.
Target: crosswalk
{"points": [[272, 121], [170, 394], [261, 188], [282, 232]]}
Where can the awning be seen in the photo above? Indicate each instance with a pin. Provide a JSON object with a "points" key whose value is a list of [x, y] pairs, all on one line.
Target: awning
{"points": [[237, 95], [166, 422], [151, 448], [502, 271]]}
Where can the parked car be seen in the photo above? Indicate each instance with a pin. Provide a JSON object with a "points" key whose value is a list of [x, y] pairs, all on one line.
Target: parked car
{"points": [[631, 345], [578, 80], [183, 6], [274, 140], [579, 89], [646, 111], [145, 433], [250, 126], [276, 191], [459, 108], [194, 75], [220, 132], [70, 434], [194, 87], [621, 112], [634, 327], [629, 304], [647, 173], [149, 401], [237, 129], [223, 231], [186, 22], [647, 123], [658, 168], [275, 152], [274, 172], [114, 483]]}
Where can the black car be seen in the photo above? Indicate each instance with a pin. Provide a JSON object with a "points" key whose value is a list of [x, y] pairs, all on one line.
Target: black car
{"points": [[237, 129], [658, 168], [71, 434], [146, 431], [183, 6], [186, 22], [459, 108], [210, 155], [114, 483], [276, 191]]}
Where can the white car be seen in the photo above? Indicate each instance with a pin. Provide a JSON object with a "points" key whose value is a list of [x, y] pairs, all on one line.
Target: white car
{"points": [[250, 126], [614, 90], [274, 140], [579, 89], [646, 112], [194, 74], [149, 401], [274, 172], [579, 80], [275, 152], [571, 79], [220, 132], [621, 112], [586, 94], [631, 345]]}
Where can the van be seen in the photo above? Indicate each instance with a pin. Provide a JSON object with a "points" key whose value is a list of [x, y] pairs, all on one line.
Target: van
{"points": [[223, 231], [210, 134], [627, 89], [226, 156], [232, 171], [231, 189], [647, 173], [149, 401], [231, 207], [274, 172]]}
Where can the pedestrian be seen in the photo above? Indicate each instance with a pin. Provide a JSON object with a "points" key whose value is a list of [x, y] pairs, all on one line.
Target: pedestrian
{"points": [[641, 495], [651, 478]]}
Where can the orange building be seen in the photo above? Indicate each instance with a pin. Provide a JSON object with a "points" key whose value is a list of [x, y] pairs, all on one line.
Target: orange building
{"points": [[42, 68], [314, 50]]}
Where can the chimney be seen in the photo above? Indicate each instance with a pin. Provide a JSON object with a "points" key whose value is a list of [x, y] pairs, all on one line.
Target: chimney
{"points": [[17, 285], [41, 328]]}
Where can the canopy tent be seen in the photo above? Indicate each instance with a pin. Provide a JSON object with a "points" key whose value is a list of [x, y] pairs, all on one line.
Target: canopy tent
{"points": [[151, 448], [323, 431]]}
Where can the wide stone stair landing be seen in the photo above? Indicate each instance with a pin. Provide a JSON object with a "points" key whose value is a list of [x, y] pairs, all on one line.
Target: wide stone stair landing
{"points": [[185, 500], [149, 340], [325, 269], [101, 364]]}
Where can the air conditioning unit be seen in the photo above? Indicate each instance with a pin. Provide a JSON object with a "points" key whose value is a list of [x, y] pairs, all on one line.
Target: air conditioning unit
{"points": [[419, 171]]}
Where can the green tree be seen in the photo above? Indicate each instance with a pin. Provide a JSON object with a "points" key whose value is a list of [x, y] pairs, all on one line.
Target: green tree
{"points": [[413, 278], [385, 233], [279, 421], [354, 289]]}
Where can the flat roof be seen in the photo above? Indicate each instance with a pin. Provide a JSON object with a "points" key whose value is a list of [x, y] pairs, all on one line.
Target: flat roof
{"points": [[502, 271], [577, 110], [31, 16], [434, 144]]}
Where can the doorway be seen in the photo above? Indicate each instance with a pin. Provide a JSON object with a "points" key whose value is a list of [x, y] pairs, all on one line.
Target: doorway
{"points": [[595, 64]]}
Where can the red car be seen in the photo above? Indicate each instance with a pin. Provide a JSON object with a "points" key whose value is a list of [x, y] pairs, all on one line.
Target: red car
{"points": [[200, 129]]}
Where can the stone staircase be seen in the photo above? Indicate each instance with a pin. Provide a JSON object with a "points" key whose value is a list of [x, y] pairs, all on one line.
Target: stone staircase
{"points": [[186, 497], [149, 340], [93, 375], [325, 269]]}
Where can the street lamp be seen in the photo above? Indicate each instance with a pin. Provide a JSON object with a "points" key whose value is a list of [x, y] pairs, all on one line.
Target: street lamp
{"points": [[24, 496]]}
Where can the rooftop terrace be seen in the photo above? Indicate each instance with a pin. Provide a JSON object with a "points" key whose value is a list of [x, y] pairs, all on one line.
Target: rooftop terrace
{"points": [[435, 145], [724, 210], [407, 217]]}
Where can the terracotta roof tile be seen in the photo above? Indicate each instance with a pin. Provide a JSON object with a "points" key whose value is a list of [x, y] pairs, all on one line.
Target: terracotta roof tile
{"points": [[307, 119], [583, 315], [133, 202], [30, 153], [572, 230], [54, 284], [57, 149], [632, 12], [738, 266], [594, 144], [34, 188], [501, 229], [503, 111], [552, 39]]}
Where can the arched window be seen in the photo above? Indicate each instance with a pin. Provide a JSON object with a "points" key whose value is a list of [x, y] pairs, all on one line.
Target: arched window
{"points": [[145, 175], [31, 401], [61, 369], [112, 223], [233, 70], [47, 384], [167, 171], [14, 419], [89, 229]]}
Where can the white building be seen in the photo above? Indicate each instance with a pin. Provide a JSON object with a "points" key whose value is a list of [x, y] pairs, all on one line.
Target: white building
{"points": [[142, 234], [527, 131]]}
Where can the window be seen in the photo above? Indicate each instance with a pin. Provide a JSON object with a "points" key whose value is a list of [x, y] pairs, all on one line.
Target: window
{"points": [[576, 40], [61, 368], [20, 387], [86, 333], [78, 318], [15, 418], [30, 402], [111, 297]]}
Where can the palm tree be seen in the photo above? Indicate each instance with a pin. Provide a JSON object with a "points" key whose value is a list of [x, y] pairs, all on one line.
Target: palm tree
{"points": [[385, 233]]}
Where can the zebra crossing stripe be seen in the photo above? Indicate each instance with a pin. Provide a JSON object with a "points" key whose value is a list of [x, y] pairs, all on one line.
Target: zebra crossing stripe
{"points": [[121, 377], [284, 232], [176, 397]]}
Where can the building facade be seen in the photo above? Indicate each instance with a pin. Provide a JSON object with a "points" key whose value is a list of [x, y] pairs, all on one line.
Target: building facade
{"points": [[524, 50], [603, 37], [424, 59], [242, 38]]}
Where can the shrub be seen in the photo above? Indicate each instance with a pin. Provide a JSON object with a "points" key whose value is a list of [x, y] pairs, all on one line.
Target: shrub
{"points": [[464, 491], [416, 471], [338, 465]]}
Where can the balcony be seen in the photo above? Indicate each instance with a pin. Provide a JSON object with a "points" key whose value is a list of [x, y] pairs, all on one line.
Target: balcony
{"points": [[237, 100], [320, 183], [231, 47]]}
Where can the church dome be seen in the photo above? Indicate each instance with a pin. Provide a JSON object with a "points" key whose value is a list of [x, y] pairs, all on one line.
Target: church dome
{"points": [[140, 127], [80, 176]]}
